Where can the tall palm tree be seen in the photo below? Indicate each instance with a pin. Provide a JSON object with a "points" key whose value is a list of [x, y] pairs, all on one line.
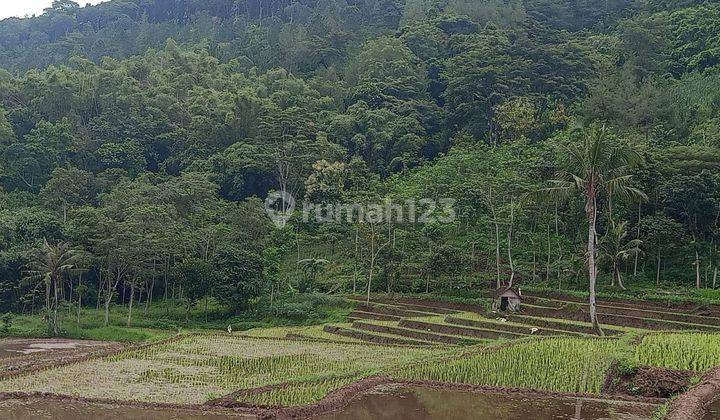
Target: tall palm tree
{"points": [[596, 165], [50, 264]]}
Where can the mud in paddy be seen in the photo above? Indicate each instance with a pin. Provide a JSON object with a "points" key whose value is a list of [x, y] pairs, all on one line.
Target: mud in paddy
{"points": [[397, 401], [713, 412], [21, 354], [417, 403], [31, 409], [19, 347]]}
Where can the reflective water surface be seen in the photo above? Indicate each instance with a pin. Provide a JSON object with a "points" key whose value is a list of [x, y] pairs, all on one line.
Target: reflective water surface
{"points": [[390, 402], [437, 404]]}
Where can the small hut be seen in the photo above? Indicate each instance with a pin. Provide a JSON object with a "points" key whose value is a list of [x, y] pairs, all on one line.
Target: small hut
{"points": [[508, 299]]}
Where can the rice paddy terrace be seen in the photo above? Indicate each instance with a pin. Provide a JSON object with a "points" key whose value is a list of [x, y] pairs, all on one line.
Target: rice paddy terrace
{"points": [[546, 350]]}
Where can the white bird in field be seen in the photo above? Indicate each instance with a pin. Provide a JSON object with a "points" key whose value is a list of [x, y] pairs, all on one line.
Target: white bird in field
{"points": [[229, 329], [533, 330]]}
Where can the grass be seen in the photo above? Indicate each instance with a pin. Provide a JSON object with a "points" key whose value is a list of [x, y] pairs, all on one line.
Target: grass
{"points": [[688, 351], [165, 318], [557, 364], [27, 326]]}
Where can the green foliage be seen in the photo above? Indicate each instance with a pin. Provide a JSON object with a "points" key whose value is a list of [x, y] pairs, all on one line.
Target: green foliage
{"points": [[239, 277], [6, 320], [149, 132]]}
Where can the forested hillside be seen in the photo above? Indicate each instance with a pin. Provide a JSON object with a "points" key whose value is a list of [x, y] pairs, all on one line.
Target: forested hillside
{"points": [[147, 134]]}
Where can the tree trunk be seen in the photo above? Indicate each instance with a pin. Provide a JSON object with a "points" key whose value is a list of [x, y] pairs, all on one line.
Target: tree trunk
{"points": [[166, 263], [657, 274], [637, 254], [619, 277], [101, 287], [592, 267], [547, 263], [715, 275], [130, 306], [79, 299], [497, 253], [697, 269], [78, 311], [509, 242], [48, 307], [707, 270], [534, 273], [55, 309], [357, 257], [108, 298], [150, 294], [372, 263]]}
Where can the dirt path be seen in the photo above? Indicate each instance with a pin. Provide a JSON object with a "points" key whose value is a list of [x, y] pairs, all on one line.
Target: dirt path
{"points": [[693, 404]]}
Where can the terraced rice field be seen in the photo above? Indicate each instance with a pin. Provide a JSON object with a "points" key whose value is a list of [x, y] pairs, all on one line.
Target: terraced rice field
{"points": [[547, 346], [414, 322]]}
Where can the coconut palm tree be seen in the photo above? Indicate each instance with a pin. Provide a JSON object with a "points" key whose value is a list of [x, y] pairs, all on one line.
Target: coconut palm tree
{"points": [[596, 166], [615, 250], [49, 265]]}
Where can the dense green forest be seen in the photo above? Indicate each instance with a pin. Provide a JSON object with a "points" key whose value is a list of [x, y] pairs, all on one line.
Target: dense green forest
{"points": [[139, 139]]}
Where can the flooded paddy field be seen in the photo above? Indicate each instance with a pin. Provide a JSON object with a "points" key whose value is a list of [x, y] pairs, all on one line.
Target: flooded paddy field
{"points": [[385, 402], [418, 403]]}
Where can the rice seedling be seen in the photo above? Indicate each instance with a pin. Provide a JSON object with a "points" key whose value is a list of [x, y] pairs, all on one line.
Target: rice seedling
{"points": [[684, 351], [188, 370], [299, 393], [563, 364]]}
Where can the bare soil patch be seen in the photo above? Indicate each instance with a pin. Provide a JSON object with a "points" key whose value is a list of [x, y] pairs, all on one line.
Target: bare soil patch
{"points": [[449, 307], [684, 307], [647, 381], [575, 312], [371, 338], [467, 332], [410, 333], [694, 404], [665, 314]]}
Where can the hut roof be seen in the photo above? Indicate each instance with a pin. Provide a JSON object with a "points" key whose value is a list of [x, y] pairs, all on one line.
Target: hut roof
{"points": [[508, 291]]}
